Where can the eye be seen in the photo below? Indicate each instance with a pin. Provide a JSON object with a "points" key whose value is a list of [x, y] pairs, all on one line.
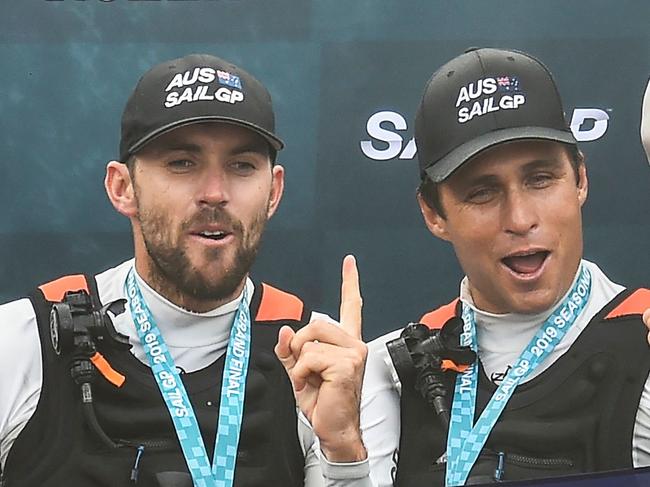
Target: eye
{"points": [[482, 195], [243, 167], [540, 180], [180, 165]]}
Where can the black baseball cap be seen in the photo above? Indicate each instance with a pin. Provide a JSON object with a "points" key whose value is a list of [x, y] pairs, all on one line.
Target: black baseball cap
{"points": [[480, 99], [194, 89]]}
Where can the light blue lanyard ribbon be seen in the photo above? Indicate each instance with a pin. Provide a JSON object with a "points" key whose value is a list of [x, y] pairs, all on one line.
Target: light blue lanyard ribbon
{"points": [[233, 388], [464, 442]]}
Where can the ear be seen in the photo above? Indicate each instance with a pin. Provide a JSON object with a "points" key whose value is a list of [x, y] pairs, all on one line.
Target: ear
{"points": [[120, 189], [436, 224], [277, 188], [583, 182]]}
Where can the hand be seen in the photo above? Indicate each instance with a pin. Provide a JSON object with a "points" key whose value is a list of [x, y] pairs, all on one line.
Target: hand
{"points": [[325, 363], [646, 320]]}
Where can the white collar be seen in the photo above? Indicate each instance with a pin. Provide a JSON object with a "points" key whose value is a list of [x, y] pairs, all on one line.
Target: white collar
{"points": [[184, 328]]}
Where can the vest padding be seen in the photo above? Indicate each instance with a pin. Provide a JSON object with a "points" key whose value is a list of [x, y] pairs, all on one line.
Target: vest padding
{"points": [[57, 449], [577, 416]]}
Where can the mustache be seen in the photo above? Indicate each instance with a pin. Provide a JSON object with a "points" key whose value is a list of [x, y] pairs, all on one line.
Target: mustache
{"points": [[214, 216]]}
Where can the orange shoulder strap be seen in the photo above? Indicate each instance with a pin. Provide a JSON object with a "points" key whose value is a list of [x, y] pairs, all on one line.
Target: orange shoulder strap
{"points": [[278, 305], [635, 304], [55, 290], [440, 316], [109, 373]]}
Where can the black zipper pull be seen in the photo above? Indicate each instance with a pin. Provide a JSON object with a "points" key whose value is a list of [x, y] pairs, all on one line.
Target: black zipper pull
{"points": [[136, 465], [500, 470]]}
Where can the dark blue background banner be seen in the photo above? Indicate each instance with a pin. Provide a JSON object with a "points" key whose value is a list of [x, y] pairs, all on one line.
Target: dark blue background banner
{"points": [[346, 78]]}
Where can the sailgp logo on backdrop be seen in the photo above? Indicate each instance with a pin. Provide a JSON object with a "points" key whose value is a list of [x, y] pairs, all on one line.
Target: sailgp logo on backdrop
{"points": [[386, 130]]}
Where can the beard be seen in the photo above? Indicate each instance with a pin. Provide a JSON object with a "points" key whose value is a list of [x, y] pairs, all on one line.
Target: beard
{"points": [[172, 271]]}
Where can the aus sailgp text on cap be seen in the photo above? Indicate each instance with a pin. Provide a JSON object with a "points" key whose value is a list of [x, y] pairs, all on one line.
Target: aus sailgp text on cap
{"points": [[500, 93], [203, 84]]}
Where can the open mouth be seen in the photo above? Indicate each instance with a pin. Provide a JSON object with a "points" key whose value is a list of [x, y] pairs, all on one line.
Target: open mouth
{"points": [[526, 263], [215, 236]]}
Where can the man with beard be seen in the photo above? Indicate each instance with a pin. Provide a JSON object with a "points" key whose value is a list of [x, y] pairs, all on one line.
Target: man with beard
{"points": [[185, 389], [561, 384]]}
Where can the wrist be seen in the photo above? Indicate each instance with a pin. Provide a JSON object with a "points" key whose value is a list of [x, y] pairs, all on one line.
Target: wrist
{"points": [[346, 448]]}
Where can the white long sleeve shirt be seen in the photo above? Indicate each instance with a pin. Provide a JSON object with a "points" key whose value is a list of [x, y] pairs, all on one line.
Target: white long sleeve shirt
{"points": [[195, 340]]}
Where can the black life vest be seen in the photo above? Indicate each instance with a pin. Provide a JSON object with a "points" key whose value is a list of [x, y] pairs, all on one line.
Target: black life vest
{"points": [[56, 448], [577, 416]]}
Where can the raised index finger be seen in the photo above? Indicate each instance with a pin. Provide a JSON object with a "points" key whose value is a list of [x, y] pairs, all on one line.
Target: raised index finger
{"points": [[351, 302]]}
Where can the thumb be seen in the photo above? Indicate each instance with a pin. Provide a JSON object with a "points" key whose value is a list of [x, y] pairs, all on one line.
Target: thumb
{"points": [[283, 348]]}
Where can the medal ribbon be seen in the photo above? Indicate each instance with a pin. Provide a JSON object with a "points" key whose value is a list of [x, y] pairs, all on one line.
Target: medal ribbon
{"points": [[221, 471], [464, 442]]}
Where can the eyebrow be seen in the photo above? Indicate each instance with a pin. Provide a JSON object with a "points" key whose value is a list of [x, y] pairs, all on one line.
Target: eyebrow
{"points": [[542, 164], [492, 179], [485, 179], [256, 147], [180, 146]]}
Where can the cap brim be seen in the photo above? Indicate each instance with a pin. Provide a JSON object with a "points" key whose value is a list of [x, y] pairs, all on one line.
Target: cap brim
{"points": [[274, 141], [444, 167]]}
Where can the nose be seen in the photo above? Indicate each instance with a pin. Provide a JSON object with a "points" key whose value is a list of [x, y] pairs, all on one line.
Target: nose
{"points": [[213, 188], [520, 215]]}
